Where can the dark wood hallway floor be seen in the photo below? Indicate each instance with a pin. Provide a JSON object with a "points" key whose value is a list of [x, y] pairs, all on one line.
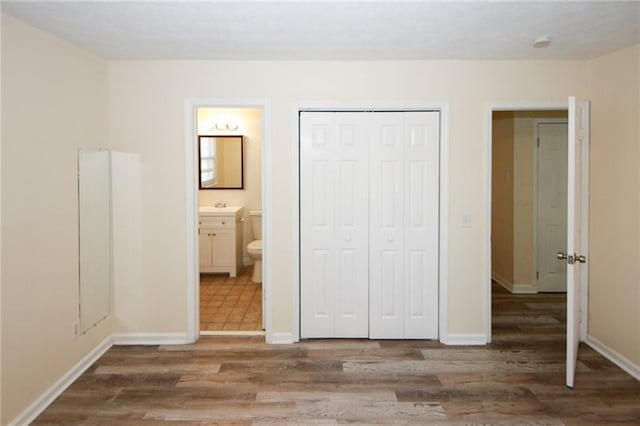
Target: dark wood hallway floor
{"points": [[518, 379]]}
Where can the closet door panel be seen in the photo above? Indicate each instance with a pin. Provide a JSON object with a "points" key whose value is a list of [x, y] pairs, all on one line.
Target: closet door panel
{"points": [[352, 226], [385, 226], [420, 233], [318, 257], [334, 225]]}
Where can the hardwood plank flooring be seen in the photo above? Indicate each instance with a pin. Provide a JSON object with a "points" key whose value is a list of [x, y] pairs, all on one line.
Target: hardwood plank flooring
{"points": [[518, 379]]}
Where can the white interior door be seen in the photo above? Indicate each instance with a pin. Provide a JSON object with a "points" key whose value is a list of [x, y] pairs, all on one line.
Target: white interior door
{"points": [[577, 135], [551, 205], [404, 226], [334, 221]]}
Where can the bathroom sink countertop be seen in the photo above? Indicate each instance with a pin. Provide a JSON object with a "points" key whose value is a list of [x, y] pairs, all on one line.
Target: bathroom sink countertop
{"points": [[219, 211]]}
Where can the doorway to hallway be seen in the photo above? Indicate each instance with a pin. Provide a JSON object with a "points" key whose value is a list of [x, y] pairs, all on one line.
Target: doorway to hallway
{"points": [[528, 204]]}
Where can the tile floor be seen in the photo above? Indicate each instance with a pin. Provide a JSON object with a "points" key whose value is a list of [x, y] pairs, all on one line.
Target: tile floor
{"points": [[230, 304]]}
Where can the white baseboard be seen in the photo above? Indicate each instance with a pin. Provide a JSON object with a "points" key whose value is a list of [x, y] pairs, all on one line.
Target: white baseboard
{"points": [[524, 289], [280, 338], [613, 356], [514, 287], [30, 413], [151, 339], [470, 339]]}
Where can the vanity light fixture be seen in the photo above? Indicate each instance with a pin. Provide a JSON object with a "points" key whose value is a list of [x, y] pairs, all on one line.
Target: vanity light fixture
{"points": [[226, 126], [541, 42]]}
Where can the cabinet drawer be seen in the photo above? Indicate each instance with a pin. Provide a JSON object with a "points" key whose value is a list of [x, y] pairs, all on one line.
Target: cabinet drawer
{"points": [[217, 222]]}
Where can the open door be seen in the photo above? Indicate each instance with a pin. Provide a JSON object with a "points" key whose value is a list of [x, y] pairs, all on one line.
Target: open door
{"points": [[575, 255]]}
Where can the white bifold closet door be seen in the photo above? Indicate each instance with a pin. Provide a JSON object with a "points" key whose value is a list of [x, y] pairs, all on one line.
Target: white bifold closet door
{"points": [[369, 224], [333, 215], [403, 224]]}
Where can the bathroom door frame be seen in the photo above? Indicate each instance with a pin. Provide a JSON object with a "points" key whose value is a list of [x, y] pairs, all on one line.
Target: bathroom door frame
{"points": [[443, 230], [191, 190]]}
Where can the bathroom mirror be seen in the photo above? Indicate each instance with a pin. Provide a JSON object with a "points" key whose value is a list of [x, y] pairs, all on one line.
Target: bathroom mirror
{"points": [[94, 216], [221, 162]]}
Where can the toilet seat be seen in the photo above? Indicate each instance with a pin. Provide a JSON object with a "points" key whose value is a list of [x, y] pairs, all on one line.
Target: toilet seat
{"points": [[255, 247]]}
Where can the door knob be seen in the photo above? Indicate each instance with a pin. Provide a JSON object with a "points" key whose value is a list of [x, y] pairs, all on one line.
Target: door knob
{"points": [[571, 259], [347, 239], [390, 239]]}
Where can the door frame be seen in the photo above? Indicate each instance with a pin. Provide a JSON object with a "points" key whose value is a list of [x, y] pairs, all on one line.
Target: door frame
{"points": [[490, 107], [443, 231], [535, 182], [191, 191]]}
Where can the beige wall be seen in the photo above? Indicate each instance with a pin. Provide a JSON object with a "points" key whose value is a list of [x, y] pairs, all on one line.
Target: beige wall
{"points": [[523, 199], [54, 100], [502, 198], [159, 88], [250, 126], [614, 285]]}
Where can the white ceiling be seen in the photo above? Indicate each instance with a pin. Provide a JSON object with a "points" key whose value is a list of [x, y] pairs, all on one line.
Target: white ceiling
{"points": [[357, 30]]}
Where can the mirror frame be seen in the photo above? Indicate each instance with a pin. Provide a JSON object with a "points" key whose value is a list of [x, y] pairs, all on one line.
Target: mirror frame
{"points": [[241, 137]]}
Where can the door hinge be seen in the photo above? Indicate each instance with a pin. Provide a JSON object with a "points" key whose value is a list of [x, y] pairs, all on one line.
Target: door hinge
{"points": [[537, 275], [538, 142], [580, 134]]}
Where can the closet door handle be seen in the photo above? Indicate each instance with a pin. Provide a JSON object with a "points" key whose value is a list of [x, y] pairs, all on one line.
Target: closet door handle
{"points": [[390, 239]]}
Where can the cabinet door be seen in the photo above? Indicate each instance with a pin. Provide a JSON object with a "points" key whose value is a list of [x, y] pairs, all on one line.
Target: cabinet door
{"points": [[223, 247], [204, 240]]}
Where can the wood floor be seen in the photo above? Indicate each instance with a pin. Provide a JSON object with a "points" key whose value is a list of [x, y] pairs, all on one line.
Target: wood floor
{"points": [[518, 379]]}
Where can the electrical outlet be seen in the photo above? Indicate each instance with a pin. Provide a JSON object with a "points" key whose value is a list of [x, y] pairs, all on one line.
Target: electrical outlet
{"points": [[75, 328], [466, 221]]}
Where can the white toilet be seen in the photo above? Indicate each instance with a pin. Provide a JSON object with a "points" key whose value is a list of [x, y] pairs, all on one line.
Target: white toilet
{"points": [[254, 248]]}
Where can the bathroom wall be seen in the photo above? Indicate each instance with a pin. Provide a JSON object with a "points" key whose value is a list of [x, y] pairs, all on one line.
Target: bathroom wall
{"points": [[54, 101], [250, 125]]}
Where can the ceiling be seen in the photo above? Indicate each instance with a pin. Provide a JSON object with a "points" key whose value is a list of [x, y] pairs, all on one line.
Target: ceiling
{"points": [[336, 30]]}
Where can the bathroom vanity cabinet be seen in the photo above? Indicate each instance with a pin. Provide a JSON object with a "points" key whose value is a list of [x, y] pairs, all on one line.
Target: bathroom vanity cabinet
{"points": [[220, 239]]}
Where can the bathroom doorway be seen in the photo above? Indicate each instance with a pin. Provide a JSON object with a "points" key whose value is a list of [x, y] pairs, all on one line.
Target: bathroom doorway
{"points": [[228, 151]]}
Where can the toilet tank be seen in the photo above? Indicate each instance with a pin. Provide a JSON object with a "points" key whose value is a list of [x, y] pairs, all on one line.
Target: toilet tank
{"points": [[256, 224]]}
